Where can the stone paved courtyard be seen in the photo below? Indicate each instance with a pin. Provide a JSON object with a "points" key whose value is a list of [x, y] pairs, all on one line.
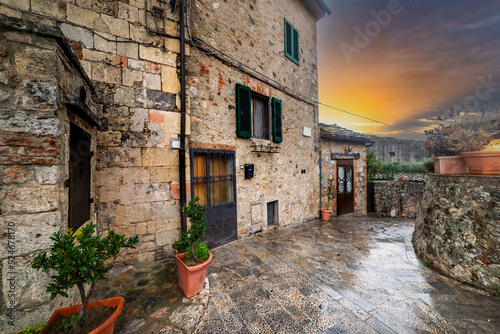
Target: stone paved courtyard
{"points": [[351, 275]]}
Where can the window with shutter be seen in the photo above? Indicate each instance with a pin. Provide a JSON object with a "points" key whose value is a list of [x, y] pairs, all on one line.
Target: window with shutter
{"points": [[277, 121], [243, 111], [292, 43]]}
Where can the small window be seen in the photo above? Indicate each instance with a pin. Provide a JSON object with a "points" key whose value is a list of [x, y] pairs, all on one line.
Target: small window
{"points": [[260, 117], [253, 117], [292, 43], [79, 176], [272, 213]]}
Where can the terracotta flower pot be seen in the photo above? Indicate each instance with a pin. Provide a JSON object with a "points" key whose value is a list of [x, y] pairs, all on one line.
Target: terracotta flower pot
{"points": [[106, 328], [482, 162], [191, 279], [449, 165], [326, 214]]}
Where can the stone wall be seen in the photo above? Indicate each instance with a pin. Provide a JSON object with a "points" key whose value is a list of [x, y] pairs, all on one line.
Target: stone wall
{"points": [[404, 150], [255, 38], [398, 198], [329, 170], [39, 85], [458, 228]]}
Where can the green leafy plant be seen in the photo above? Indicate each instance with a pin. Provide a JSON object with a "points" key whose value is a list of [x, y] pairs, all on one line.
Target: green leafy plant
{"points": [[68, 322], [33, 330], [189, 241], [373, 166], [426, 263], [330, 191], [429, 165], [80, 258]]}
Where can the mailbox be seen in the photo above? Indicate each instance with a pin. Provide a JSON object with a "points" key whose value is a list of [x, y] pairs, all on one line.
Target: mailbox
{"points": [[248, 171]]}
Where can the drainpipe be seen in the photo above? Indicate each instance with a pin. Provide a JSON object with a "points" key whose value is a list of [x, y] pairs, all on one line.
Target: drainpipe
{"points": [[182, 150], [320, 183]]}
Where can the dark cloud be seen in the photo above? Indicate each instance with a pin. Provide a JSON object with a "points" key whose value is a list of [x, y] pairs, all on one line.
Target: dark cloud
{"points": [[430, 55]]}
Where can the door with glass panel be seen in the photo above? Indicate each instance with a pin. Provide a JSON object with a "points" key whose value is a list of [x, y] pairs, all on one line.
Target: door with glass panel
{"points": [[345, 187], [213, 180]]}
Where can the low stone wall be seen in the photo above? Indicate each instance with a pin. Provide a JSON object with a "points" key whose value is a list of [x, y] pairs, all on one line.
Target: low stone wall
{"points": [[458, 228], [398, 198]]}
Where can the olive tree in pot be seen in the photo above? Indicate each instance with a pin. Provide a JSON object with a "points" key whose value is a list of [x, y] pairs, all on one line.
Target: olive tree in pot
{"points": [[330, 191], [193, 257], [81, 258]]}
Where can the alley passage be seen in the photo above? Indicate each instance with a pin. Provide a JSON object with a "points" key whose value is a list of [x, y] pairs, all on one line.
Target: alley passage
{"points": [[352, 275]]}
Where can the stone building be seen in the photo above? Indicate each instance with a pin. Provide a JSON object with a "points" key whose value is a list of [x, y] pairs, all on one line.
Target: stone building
{"points": [[95, 124], [343, 159]]}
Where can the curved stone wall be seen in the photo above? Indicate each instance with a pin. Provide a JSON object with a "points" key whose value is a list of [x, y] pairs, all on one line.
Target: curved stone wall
{"points": [[458, 228]]}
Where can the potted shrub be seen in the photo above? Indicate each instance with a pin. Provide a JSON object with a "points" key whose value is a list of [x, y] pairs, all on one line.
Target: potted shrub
{"points": [[82, 259], [330, 191], [193, 257], [459, 131], [429, 166]]}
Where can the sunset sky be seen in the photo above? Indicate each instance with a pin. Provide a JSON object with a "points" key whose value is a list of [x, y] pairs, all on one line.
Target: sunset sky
{"points": [[419, 56]]}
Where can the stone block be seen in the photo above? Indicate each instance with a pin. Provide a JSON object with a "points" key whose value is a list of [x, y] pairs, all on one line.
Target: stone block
{"points": [[32, 231], [104, 44], [153, 68], [14, 174], [165, 210], [87, 67], [106, 73], [47, 175], [117, 27], [21, 4], [152, 99], [40, 95], [152, 81], [81, 16], [132, 78], [78, 34], [93, 56], [48, 7], [128, 12], [141, 229], [12, 13], [125, 96], [138, 65], [109, 177], [127, 230], [148, 257], [139, 33], [30, 283], [164, 174], [129, 50], [157, 157], [171, 27], [109, 138], [146, 246], [31, 198], [157, 56], [138, 119], [118, 117], [137, 3], [36, 63], [120, 157], [166, 238], [169, 80]]}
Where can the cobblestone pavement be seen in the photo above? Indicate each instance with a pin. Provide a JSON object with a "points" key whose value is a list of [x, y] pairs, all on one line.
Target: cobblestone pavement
{"points": [[351, 275]]}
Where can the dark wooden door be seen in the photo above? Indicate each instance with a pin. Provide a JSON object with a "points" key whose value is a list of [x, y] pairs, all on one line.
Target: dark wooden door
{"points": [[345, 187], [214, 182]]}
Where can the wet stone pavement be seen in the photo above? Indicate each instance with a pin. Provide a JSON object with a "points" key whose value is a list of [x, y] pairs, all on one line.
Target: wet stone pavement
{"points": [[351, 275]]}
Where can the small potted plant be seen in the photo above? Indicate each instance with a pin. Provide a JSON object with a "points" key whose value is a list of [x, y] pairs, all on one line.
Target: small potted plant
{"points": [[81, 258], [193, 256], [330, 191], [429, 166]]}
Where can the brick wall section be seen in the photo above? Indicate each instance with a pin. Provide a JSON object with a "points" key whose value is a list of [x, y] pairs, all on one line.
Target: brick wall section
{"points": [[35, 80], [255, 36], [329, 170]]}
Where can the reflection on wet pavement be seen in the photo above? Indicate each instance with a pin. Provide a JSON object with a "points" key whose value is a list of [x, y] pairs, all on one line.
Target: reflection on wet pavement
{"points": [[351, 275]]}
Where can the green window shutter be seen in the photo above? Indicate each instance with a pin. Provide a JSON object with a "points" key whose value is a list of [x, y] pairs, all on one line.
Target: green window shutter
{"points": [[292, 43], [277, 121], [243, 111]]}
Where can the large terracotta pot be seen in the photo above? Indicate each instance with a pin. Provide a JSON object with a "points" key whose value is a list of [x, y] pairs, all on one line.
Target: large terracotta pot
{"points": [[449, 165], [326, 214], [482, 162], [106, 328], [191, 279]]}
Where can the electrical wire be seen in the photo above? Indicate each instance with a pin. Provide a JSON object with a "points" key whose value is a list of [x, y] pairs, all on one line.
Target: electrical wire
{"points": [[193, 41]]}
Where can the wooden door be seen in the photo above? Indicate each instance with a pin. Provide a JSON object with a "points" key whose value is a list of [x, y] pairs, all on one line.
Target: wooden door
{"points": [[345, 187]]}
